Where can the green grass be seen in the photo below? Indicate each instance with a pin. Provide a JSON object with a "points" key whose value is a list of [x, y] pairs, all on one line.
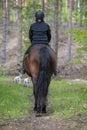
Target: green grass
{"points": [[6, 78], [67, 98], [14, 100]]}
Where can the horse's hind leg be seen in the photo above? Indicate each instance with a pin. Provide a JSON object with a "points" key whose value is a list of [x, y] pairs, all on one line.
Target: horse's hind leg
{"points": [[44, 105], [38, 107], [34, 92], [44, 109], [35, 104], [44, 101]]}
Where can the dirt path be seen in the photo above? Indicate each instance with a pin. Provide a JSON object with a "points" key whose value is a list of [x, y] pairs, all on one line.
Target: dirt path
{"points": [[46, 123]]}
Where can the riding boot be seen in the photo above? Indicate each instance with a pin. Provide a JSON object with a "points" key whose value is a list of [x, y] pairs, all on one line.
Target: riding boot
{"points": [[56, 71]]}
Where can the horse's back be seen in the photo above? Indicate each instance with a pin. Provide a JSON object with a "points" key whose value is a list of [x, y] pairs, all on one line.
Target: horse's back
{"points": [[36, 49]]}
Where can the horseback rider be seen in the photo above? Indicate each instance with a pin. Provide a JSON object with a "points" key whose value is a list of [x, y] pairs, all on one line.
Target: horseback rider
{"points": [[39, 33]]}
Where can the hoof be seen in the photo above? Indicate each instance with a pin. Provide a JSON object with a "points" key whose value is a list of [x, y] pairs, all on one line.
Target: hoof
{"points": [[44, 112], [35, 109], [38, 114]]}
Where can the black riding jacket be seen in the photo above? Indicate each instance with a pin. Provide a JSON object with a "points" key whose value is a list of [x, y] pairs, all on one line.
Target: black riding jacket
{"points": [[40, 33]]}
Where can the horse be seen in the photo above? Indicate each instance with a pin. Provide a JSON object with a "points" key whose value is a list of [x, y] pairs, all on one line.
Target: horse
{"points": [[39, 64]]}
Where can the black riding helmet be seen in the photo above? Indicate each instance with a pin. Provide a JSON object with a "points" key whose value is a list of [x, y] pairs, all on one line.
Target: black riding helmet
{"points": [[39, 15]]}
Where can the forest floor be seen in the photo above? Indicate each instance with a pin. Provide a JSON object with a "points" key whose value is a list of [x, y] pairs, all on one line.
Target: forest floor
{"points": [[49, 122]]}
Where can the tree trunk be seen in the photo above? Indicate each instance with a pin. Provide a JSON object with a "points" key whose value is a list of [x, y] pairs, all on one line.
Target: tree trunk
{"points": [[19, 55], [43, 5], [56, 6], [8, 13], [69, 35], [3, 54], [76, 10], [81, 15], [67, 7], [15, 11], [61, 3]]}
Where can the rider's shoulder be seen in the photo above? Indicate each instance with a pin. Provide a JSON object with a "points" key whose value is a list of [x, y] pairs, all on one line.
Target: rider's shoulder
{"points": [[46, 24], [33, 24]]}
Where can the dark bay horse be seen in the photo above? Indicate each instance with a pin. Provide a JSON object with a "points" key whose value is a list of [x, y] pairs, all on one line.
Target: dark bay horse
{"points": [[39, 65]]}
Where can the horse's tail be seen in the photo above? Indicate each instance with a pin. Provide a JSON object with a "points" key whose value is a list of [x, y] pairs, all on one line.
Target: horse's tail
{"points": [[43, 79]]}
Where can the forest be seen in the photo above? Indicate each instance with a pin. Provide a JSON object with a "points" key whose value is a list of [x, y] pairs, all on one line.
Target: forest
{"points": [[67, 96], [68, 17]]}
